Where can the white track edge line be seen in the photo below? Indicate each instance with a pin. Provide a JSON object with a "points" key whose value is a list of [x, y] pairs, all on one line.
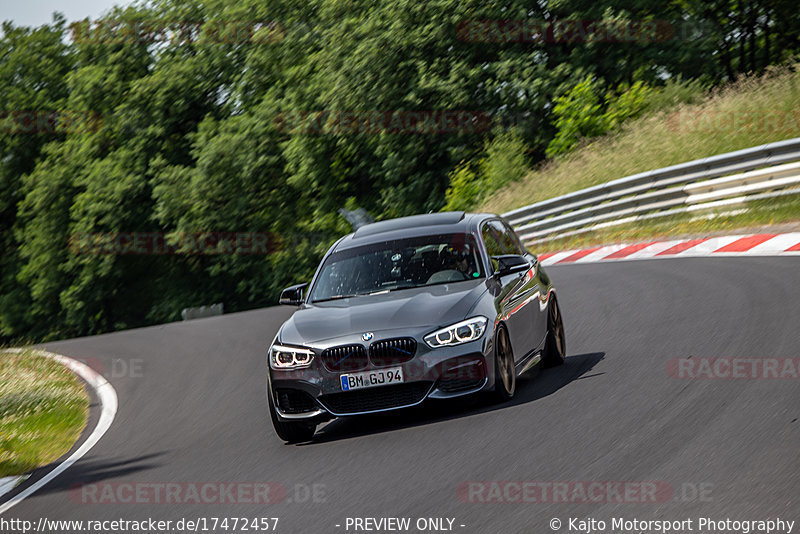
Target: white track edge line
{"points": [[9, 483], [108, 399]]}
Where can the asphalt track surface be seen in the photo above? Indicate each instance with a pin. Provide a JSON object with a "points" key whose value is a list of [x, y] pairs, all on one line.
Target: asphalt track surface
{"points": [[195, 412]]}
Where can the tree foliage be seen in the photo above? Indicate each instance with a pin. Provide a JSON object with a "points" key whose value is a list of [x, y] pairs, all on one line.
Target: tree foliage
{"points": [[210, 116]]}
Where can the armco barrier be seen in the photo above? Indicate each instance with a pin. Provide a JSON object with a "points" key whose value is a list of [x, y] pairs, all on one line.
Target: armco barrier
{"points": [[715, 182]]}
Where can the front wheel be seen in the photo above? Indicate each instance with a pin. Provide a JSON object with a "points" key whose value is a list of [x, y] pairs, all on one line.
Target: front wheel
{"points": [[505, 375], [555, 347], [290, 431]]}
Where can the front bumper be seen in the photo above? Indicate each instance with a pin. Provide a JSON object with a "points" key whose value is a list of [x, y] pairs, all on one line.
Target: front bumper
{"points": [[316, 392]]}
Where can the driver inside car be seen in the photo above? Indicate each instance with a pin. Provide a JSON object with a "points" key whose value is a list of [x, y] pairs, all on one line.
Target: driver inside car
{"points": [[454, 266]]}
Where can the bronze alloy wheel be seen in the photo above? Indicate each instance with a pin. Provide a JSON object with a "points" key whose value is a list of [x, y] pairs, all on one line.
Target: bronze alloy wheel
{"points": [[555, 347], [505, 374]]}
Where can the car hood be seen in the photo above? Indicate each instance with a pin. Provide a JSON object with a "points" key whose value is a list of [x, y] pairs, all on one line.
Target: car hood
{"points": [[431, 306]]}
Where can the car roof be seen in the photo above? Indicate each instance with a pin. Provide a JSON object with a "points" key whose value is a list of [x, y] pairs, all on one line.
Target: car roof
{"points": [[449, 222]]}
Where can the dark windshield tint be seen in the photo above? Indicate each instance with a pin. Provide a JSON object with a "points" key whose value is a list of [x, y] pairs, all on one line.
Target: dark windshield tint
{"points": [[399, 264]]}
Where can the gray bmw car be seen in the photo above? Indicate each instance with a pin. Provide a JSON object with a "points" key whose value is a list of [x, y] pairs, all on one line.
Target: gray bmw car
{"points": [[424, 307]]}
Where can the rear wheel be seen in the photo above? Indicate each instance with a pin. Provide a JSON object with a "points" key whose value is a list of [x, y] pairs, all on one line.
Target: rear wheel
{"points": [[555, 347], [290, 431], [505, 376]]}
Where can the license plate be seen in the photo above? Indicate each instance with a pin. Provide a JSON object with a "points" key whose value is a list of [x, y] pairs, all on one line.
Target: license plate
{"points": [[368, 379]]}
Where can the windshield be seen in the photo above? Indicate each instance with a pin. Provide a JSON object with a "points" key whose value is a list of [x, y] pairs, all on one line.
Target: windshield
{"points": [[398, 264]]}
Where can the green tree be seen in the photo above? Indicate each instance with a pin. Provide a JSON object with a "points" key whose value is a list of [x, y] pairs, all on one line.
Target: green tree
{"points": [[199, 103], [34, 64]]}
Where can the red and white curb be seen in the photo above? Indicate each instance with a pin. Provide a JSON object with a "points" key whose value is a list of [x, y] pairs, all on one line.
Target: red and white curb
{"points": [[108, 401], [735, 245]]}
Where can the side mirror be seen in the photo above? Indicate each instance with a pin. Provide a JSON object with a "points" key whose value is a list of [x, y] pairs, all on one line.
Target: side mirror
{"points": [[510, 263], [293, 296]]}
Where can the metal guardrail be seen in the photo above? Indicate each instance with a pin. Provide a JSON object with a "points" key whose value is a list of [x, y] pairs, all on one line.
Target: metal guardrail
{"points": [[200, 312], [715, 182]]}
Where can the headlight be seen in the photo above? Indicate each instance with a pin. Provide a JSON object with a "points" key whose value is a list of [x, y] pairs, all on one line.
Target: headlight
{"points": [[458, 333], [281, 357]]}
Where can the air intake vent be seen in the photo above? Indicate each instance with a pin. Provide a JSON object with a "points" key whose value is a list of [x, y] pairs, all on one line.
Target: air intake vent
{"points": [[295, 401], [375, 399]]}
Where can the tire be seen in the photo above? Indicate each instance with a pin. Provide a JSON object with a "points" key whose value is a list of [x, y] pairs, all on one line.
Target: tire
{"points": [[290, 431], [555, 348], [505, 375]]}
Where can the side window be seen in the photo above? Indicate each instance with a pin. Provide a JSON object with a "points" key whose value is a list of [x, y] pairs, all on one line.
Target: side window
{"points": [[491, 237], [515, 239], [502, 238]]}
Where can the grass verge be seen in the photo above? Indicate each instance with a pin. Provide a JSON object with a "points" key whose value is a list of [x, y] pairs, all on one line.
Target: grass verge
{"points": [[774, 215], [43, 410], [752, 112]]}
